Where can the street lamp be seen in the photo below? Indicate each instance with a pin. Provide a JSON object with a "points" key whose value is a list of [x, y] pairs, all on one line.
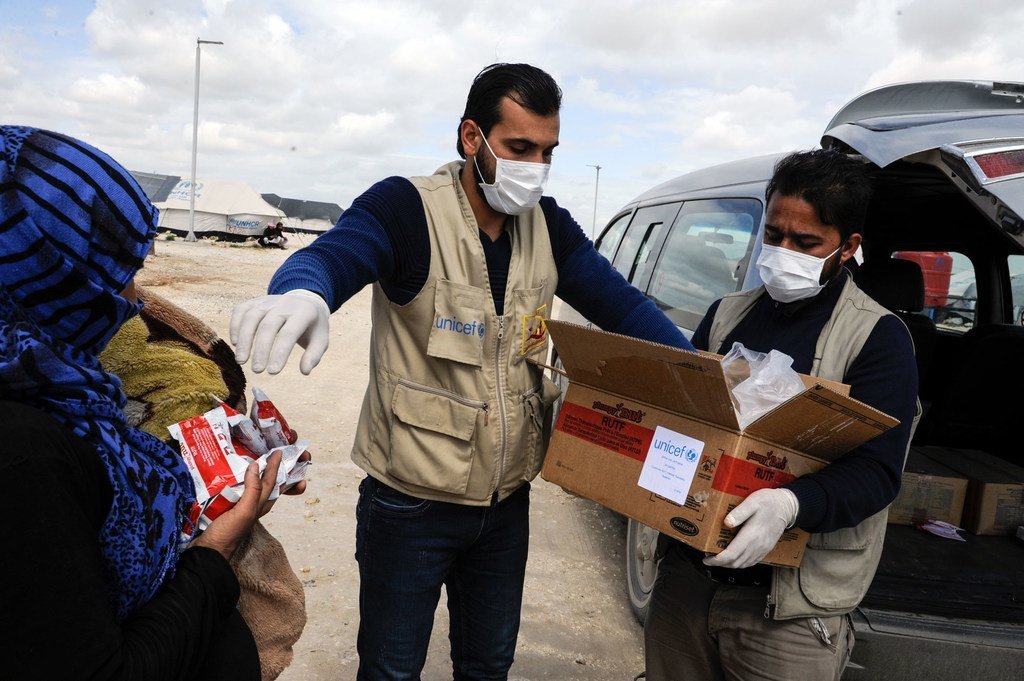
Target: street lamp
{"points": [[597, 180], [195, 142]]}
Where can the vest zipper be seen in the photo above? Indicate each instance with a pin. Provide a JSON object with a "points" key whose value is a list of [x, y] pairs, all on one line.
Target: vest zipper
{"points": [[454, 397], [501, 410]]}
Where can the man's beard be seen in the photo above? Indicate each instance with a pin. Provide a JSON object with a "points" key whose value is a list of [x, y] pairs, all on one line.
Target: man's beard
{"points": [[836, 269], [481, 170]]}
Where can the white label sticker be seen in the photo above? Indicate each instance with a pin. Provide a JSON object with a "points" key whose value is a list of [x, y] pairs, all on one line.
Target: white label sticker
{"points": [[670, 464]]}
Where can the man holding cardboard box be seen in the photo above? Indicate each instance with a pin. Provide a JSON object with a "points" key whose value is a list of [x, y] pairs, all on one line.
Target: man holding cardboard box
{"points": [[465, 265], [726, 617]]}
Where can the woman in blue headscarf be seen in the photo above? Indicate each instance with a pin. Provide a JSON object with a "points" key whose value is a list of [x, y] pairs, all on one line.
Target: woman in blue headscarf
{"points": [[93, 582]]}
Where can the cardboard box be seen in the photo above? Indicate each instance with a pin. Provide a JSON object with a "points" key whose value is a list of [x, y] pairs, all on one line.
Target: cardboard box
{"points": [[650, 431], [929, 491], [995, 489]]}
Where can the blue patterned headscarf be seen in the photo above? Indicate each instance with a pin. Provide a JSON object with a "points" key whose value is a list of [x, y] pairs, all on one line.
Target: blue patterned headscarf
{"points": [[74, 229]]}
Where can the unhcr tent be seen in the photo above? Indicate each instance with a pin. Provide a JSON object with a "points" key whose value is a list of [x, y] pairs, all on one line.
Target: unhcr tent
{"points": [[307, 217], [222, 209]]}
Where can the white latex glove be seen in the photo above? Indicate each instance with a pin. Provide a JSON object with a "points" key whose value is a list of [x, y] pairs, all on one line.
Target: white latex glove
{"points": [[269, 326], [764, 516]]}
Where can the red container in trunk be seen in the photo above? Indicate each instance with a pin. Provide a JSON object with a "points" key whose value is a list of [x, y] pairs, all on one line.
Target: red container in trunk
{"points": [[936, 266]]}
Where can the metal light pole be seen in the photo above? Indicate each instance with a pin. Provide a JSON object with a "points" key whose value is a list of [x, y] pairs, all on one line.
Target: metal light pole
{"points": [[597, 180], [195, 143]]}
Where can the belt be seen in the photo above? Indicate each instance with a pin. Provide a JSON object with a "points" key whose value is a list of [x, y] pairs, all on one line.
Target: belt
{"points": [[755, 575]]}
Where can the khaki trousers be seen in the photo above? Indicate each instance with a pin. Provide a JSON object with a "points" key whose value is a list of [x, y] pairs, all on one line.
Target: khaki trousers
{"points": [[700, 630]]}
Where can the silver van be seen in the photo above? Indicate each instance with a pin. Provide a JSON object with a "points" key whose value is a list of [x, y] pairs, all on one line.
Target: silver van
{"points": [[947, 162]]}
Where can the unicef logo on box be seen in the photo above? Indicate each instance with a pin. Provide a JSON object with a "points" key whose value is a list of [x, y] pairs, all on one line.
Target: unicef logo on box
{"points": [[680, 451], [670, 464]]}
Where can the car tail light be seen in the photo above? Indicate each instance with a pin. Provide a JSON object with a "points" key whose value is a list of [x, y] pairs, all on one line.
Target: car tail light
{"points": [[1001, 163]]}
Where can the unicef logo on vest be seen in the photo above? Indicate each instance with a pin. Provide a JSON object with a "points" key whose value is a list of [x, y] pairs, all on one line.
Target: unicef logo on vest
{"points": [[456, 325]]}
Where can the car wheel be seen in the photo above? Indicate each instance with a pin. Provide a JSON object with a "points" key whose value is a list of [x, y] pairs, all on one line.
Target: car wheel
{"points": [[641, 567]]}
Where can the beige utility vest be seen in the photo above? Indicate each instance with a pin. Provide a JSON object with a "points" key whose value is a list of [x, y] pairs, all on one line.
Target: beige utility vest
{"points": [[838, 566], [453, 411]]}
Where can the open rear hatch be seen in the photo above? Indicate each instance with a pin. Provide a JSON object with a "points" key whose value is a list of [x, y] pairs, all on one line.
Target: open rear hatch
{"points": [[972, 131]]}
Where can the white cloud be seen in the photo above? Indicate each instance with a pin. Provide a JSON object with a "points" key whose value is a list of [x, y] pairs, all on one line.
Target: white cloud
{"points": [[320, 98], [108, 90]]}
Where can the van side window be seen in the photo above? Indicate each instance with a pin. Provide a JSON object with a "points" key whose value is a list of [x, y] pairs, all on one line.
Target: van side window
{"points": [[950, 289], [609, 241], [631, 260], [704, 257], [1016, 265]]}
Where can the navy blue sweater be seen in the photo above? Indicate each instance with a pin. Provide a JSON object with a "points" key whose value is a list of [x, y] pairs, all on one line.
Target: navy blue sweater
{"points": [[383, 237], [884, 376]]}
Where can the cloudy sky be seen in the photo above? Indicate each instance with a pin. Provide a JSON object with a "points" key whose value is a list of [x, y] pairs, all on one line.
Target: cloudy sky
{"points": [[318, 99]]}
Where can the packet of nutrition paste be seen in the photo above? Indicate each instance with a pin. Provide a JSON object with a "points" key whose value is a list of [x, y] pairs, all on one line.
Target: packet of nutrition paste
{"points": [[289, 461], [245, 433], [203, 515], [205, 443], [289, 474], [270, 421]]}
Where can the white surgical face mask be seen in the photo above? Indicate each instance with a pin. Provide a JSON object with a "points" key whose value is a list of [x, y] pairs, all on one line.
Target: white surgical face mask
{"points": [[518, 185], [789, 275]]}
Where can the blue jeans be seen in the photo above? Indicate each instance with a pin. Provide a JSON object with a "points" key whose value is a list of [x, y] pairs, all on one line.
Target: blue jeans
{"points": [[407, 548]]}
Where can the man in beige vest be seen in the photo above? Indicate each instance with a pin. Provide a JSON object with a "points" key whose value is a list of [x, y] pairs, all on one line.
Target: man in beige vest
{"points": [[727, 617], [465, 265]]}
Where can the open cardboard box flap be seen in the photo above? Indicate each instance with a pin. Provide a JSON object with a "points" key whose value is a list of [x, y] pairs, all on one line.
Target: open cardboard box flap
{"points": [[662, 376], [650, 431], [822, 422]]}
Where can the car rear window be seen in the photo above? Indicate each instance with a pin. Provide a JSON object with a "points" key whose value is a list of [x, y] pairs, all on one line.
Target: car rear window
{"points": [[950, 289]]}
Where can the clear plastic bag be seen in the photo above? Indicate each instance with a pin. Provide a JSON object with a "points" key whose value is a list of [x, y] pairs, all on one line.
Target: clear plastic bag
{"points": [[759, 382]]}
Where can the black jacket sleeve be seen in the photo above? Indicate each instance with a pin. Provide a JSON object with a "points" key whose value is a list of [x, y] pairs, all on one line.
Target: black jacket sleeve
{"points": [[58, 621]]}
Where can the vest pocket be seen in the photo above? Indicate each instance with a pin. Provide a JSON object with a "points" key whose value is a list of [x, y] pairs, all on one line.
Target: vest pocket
{"points": [[531, 334], [457, 331], [838, 566], [432, 437], [537, 403]]}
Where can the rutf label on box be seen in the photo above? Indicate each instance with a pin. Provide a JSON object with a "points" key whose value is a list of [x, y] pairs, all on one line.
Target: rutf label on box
{"points": [[650, 431]]}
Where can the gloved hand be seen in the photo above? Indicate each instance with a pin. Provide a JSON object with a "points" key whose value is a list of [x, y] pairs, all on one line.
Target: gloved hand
{"points": [[270, 325], [764, 516]]}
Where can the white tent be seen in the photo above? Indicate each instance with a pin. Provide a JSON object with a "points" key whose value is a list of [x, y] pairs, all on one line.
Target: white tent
{"points": [[221, 208]]}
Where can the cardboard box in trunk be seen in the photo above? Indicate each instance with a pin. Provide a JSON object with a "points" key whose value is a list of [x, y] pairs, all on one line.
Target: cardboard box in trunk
{"points": [[929, 491], [995, 489], [650, 431]]}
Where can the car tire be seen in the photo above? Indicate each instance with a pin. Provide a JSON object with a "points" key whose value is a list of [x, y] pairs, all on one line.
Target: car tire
{"points": [[641, 566]]}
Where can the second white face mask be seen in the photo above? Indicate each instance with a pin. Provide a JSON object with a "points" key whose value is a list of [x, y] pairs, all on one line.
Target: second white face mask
{"points": [[788, 275], [518, 185]]}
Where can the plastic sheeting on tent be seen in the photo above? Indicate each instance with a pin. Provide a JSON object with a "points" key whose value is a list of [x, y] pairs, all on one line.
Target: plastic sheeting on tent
{"points": [[221, 208], [309, 217]]}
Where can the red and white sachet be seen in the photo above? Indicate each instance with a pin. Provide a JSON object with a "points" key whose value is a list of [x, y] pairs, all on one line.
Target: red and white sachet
{"points": [[218, 447], [290, 472], [270, 421], [205, 443], [245, 434]]}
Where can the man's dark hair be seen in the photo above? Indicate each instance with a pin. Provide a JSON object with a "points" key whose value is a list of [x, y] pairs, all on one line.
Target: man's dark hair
{"points": [[836, 185], [526, 85]]}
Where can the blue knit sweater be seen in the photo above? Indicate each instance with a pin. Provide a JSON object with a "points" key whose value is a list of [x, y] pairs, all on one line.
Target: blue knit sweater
{"points": [[383, 238]]}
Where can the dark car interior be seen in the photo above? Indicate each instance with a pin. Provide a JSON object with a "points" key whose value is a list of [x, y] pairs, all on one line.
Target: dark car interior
{"points": [[969, 387]]}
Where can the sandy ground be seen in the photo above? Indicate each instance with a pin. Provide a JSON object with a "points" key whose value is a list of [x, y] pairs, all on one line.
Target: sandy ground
{"points": [[576, 621]]}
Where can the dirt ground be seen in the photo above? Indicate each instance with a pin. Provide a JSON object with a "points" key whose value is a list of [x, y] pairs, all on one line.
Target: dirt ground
{"points": [[576, 620]]}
